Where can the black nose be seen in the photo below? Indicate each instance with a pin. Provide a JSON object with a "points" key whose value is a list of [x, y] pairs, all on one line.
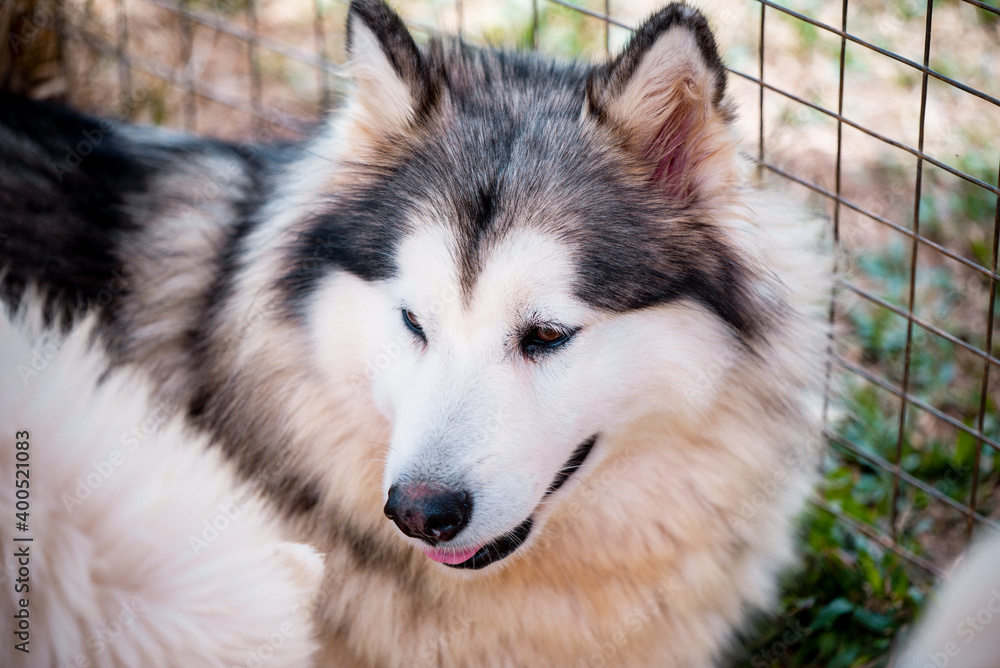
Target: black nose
{"points": [[431, 513]]}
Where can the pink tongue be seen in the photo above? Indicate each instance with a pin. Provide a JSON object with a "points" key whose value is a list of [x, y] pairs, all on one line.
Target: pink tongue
{"points": [[449, 556]]}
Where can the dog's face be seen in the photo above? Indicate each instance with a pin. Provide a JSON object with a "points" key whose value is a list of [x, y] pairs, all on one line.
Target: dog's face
{"points": [[526, 262], [502, 394]]}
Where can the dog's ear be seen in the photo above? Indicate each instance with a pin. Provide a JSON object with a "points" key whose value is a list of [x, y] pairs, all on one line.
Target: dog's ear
{"points": [[391, 80], [666, 93]]}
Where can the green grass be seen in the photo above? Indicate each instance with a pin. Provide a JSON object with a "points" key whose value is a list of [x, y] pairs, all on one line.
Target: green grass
{"points": [[843, 607]]}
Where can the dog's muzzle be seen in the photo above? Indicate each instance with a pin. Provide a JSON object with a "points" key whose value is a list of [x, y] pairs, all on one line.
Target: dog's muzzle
{"points": [[436, 514]]}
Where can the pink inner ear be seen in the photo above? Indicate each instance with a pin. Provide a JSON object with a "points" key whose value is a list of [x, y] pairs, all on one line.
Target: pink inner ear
{"points": [[672, 150]]}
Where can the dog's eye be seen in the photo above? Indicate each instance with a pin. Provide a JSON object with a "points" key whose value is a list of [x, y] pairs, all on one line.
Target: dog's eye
{"points": [[544, 338], [413, 324], [547, 335]]}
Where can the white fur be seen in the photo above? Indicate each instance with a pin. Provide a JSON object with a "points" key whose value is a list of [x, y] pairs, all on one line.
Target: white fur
{"points": [[469, 407], [689, 463], [673, 60], [145, 551], [390, 105], [962, 628]]}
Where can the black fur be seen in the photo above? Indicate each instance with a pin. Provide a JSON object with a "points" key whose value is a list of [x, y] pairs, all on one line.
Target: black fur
{"points": [[66, 228], [60, 224], [357, 234], [73, 188], [572, 464], [298, 496], [511, 152]]}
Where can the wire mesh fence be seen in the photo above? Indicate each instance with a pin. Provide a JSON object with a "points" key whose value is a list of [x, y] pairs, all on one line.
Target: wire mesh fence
{"points": [[885, 115], [963, 420]]}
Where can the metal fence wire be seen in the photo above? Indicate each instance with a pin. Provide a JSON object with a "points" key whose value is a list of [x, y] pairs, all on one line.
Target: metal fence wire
{"points": [[885, 115]]}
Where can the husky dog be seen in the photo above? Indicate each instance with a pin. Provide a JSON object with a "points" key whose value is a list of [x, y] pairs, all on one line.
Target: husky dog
{"points": [[513, 342]]}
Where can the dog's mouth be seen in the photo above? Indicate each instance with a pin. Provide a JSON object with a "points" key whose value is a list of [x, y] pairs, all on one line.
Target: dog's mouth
{"points": [[475, 558]]}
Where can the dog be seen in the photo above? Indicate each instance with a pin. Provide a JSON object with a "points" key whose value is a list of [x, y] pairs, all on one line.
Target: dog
{"points": [[516, 344]]}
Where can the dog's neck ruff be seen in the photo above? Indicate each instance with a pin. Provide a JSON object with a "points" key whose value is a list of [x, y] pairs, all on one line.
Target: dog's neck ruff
{"points": [[506, 545]]}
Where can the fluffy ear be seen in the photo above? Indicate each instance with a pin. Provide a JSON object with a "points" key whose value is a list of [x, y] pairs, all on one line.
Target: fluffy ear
{"points": [[665, 92], [392, 84]]}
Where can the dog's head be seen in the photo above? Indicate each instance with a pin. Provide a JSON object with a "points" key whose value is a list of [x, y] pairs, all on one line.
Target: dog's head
{"points": [[522, 259]]}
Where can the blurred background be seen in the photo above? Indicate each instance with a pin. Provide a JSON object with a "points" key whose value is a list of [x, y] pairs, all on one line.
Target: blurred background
{"points": [[883, 117]]}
